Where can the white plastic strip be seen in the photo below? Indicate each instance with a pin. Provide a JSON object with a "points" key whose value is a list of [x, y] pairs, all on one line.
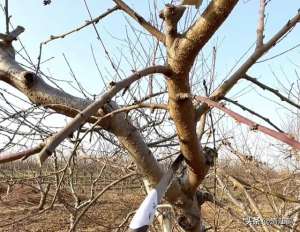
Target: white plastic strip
{"points": [[145, 214]]}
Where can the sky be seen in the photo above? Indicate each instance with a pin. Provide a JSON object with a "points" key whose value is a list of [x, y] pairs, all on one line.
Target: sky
{"points": [[232, 40]]}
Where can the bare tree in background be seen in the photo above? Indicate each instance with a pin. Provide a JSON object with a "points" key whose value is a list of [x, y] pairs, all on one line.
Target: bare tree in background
{"points": [[133, 115]]}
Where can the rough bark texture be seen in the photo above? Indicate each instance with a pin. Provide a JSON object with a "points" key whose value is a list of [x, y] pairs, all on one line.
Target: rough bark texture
{"points": [[182, 51]]}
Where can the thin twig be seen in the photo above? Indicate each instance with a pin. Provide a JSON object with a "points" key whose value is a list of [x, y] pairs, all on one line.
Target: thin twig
{"points": [[279, 54], [253, 112], [87, 23], [81, 89], [6, 17], [97, 197], [39, 59], [261, 24], [274, 91]]}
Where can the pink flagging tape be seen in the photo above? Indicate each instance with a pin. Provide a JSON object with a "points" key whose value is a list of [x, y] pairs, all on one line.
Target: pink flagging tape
{"points": [[255, 126]]}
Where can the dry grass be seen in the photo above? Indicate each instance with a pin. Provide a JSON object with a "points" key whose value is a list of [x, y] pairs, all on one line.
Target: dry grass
{"points": [[112, 208]]}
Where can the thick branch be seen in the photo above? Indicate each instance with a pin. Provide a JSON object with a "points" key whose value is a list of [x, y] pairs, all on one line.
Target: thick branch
{"points": [[182, 51], [8, 38], [171, 15], [7, 157], [199, 33], [39, 92], [220, 92], [83, 116], [139, 19]]}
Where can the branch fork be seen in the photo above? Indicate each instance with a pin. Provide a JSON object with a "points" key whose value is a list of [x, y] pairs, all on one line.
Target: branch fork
{"points": [[11, 36], [171, 15]]}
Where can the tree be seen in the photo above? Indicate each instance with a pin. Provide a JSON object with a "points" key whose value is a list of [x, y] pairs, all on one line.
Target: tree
{"points": [[186, 109]]}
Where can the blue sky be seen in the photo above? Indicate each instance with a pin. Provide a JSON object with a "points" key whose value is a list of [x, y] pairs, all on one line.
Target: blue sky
{"points": [[232, 39]]}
